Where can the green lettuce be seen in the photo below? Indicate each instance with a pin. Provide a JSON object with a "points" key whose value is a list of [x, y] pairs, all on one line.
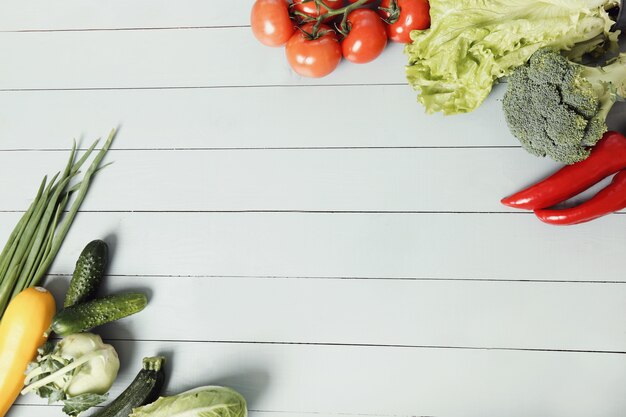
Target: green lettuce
{"points": [[200, 402], [473, 43]]}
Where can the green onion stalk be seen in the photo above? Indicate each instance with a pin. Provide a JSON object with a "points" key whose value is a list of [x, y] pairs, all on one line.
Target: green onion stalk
{"points": [[38, 235]]}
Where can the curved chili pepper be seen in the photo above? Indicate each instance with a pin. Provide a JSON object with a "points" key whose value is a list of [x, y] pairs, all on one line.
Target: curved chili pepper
{"points": [[607, 158], [610, 199]]}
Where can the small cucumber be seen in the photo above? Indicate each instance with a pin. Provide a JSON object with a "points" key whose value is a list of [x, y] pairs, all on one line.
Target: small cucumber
{"points": [[144, 389], [86, 316], [88, 273]]}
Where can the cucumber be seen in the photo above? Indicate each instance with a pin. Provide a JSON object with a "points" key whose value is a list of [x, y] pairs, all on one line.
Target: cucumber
{"points": [[88, 273], [144, 389], [86, 316]]}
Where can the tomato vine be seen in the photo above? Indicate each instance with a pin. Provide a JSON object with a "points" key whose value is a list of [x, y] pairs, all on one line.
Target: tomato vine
{"points": [[330, 13]]}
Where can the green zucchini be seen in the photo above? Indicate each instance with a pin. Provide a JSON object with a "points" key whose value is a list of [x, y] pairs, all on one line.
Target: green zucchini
{"points": [[88, 273], [86, 316], [144, 389]]}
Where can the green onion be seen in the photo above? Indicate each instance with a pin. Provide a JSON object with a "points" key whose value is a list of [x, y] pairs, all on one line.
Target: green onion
{"points": [[37, 237]]}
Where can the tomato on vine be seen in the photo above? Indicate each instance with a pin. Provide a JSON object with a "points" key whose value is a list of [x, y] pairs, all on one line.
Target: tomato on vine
{"points": [[271, 23], [404, 16], [366, 38], [314, 49], [313, 54]]}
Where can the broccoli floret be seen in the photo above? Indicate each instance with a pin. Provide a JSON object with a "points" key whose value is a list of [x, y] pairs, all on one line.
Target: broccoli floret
{"points": [[558, 108]]}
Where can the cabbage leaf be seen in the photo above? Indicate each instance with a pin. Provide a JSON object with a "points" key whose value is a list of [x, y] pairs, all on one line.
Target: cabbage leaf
{"points": [[473, 43], [209, 401]]}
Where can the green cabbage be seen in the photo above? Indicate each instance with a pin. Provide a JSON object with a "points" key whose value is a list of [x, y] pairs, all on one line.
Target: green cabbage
{"points": [[199, 402], [473, 43]]}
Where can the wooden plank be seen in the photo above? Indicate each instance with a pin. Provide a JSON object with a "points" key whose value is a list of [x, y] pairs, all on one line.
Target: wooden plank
{"points": [[393, 381], [439, 180], [166, 58], [374, 312], [120, 14], [459, 246], [243, 118]]}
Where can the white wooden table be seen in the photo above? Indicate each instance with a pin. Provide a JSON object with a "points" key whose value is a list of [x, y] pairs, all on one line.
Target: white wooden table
{"points": [[320, 245]]}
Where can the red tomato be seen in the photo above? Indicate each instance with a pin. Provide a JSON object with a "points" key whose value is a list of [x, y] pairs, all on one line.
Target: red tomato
{"points": [[413, 15], [310, 9], [313, 58], [271, 23], [367, 37]]}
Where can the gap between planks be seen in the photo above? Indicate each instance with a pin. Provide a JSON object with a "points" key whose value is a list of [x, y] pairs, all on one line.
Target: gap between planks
{"points": [[268, 211], [356, 278], [127, 29], [363, 345], [270, 148], [202, 87]]}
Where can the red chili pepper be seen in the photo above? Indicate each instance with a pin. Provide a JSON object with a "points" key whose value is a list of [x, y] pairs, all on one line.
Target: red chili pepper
{"points": [[610, 199], [607, 158]]}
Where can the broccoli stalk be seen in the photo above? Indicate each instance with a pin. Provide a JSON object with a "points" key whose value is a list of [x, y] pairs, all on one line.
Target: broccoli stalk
{"points": [[558, 108], [609, 83]]}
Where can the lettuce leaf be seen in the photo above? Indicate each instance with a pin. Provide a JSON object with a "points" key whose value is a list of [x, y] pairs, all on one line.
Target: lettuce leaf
{"points": [[473, 43]]}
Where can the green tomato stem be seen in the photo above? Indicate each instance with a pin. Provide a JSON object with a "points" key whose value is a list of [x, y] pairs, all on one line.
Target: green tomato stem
{"points": [[393, 11], [345, 11], [342, 10]]}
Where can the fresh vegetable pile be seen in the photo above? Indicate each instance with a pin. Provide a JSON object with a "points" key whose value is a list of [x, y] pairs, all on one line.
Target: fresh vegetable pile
{"points": [[79, 368], [474, 43], [554, 105], [318, 33]]}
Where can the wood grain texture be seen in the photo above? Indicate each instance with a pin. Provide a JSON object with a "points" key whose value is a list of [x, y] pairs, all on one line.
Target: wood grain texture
{"points": [[440, 180], [166, 58], [392, 381], [235, 118], [226, 118], [268, 262], [490, 315], [370, 245], [119, 14]]}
